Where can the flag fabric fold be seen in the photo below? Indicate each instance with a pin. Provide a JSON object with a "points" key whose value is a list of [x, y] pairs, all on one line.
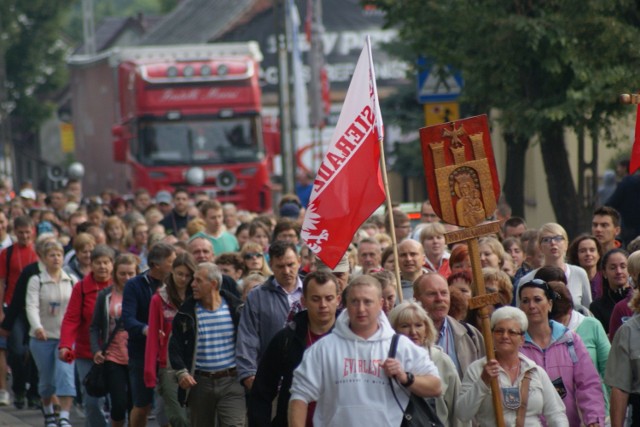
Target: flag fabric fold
{"points": [[348, 186], [634, 162]]}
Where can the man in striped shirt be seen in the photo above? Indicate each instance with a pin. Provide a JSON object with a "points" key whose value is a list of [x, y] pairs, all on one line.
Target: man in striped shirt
{"points": [[202, 351]]}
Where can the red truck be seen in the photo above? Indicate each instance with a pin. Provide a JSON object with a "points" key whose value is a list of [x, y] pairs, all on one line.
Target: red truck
{"points": [[174, 116]]}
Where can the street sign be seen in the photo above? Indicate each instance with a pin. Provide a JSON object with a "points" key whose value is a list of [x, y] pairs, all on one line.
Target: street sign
{"points": [[441, 112], [438, 83]]}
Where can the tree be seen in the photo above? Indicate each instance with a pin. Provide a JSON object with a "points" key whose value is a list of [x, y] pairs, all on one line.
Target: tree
{"points": [[33, 50], [546, 66]]}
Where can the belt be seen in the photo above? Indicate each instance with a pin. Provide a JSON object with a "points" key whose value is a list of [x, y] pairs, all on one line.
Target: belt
{"points": [[231, 372]]}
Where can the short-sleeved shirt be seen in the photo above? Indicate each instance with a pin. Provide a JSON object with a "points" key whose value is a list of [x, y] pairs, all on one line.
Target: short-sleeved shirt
{"points": [[623, 365]]}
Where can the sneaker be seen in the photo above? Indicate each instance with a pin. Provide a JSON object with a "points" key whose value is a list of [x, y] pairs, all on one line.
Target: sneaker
{"points": [[64, 422], [19, 401], [50, 420], [5, 398]]}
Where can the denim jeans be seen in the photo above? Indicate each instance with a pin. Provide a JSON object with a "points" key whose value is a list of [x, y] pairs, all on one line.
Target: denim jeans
{"points": [[17, 355], [94, 417], [221, 398], [56, 376]]}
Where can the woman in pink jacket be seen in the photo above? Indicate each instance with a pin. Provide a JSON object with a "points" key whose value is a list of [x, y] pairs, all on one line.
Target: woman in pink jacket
{"points": [[563, 356], [164, 306]]}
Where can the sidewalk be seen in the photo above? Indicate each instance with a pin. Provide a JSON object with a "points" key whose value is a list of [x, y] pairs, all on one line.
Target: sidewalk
{"points": [[6, 419]]}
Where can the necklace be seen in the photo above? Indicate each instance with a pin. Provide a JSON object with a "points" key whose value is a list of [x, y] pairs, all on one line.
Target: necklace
{"points": [[511, 368]]}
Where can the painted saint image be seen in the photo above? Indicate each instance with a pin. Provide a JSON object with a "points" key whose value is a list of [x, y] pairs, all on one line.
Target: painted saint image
{"points": [[469, 207]]}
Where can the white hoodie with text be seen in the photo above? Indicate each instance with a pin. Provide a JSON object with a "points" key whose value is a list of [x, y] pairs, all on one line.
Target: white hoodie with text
{"points": [[343, 373]]}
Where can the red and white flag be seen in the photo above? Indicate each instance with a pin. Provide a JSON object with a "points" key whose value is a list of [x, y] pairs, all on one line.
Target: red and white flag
{"points": [[348, 186]]}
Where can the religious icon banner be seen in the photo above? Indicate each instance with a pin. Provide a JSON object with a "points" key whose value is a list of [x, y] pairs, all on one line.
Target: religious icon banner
{"points": [[460, 170]]}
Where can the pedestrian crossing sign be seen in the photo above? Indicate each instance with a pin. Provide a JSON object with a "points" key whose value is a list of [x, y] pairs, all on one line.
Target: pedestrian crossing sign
{"points": [[439, 84]]}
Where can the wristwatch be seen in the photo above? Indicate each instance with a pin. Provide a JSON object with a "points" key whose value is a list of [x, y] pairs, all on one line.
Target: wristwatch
{"points": [[410, 380]]}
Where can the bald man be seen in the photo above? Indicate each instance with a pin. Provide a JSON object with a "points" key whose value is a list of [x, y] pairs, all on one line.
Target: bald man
{"points": [[411, 259]]}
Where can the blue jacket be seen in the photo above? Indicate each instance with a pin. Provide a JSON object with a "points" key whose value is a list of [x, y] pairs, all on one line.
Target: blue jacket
{"points": [[136, 299], [263, 315]]}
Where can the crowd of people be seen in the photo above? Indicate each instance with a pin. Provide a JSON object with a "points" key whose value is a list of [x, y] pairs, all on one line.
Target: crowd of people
{"points": [[209, 315]]}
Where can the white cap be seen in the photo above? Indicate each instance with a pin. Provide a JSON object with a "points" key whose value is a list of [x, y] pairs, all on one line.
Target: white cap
{"points": [[28, 193]]}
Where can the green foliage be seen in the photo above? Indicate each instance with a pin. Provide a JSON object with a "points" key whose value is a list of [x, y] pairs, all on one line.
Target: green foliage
{"points": [[30, 39], [541, 63]]}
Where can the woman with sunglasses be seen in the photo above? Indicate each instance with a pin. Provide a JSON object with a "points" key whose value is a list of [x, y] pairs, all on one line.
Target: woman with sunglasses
{"points": [[526, 390], [553, 242], [253, 259], [615, 285], [563, 355]]}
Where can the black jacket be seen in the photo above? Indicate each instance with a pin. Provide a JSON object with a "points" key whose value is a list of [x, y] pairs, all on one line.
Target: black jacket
{"points": [[275, 373], [603, 306], [184, 335], [17, 307]]}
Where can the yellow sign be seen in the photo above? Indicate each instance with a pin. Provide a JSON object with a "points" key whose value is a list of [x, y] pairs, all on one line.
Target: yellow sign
{"points": [[67, 138], [436, 113]]}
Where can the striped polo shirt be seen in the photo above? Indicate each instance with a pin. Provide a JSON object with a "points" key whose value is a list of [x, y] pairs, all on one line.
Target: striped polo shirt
{"points": [[216, 348]]}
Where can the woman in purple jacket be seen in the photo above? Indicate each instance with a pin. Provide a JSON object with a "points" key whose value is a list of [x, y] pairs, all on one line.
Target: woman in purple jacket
{"points": [[563, 355]]}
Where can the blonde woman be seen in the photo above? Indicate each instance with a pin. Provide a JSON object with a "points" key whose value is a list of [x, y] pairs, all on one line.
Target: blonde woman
{"points": [[254, 259], [435, 248], [554, 242], [48, 295], [410, 319]]}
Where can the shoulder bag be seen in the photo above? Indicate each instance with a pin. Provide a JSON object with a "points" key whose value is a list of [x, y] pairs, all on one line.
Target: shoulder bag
{"points": [[95, 382], [418, 412]]}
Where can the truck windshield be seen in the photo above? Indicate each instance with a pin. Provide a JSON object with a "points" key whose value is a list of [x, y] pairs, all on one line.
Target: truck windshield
{"points": [[218, 141]]}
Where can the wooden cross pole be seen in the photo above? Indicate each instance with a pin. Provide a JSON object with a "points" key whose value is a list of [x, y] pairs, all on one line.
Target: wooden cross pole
{"points": [[482, 300]]}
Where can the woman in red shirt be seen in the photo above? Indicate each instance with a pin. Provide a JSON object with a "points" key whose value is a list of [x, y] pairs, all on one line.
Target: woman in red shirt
{"points": [[74, 334]]}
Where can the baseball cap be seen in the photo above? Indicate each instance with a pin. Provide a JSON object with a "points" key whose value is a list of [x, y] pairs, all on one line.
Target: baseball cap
{"points": [[163, 196], [342, 267], [28, 193], [290, 210]]}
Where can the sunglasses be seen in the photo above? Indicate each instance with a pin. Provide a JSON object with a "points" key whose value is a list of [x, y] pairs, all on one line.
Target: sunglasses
{"points": [[250, 255]]}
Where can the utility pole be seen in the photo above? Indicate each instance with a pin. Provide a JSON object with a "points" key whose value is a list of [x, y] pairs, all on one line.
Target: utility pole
{"points": [[284, 98], [316, 65], [7, 166], [88, 28]]}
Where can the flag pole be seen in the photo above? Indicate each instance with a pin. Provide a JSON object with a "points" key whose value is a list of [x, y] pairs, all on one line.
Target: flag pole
{"points": [[383, 168], [394, 242]]}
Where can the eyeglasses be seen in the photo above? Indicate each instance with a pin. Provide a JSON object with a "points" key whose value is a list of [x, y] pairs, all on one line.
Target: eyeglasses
{"points": [[549, 239], [511, 332], [250, 255]]}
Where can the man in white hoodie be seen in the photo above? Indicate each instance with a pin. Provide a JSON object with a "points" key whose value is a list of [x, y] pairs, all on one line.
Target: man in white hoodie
{"points": [[348, 372]]}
